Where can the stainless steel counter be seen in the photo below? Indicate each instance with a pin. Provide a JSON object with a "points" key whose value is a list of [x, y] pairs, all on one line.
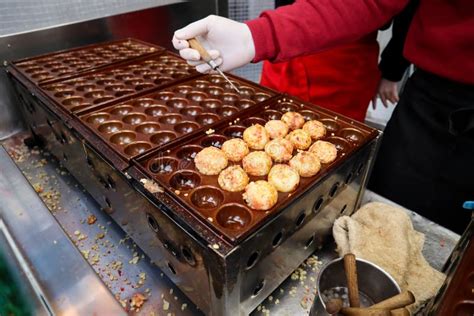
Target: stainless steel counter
{"points": [[114, 261]]}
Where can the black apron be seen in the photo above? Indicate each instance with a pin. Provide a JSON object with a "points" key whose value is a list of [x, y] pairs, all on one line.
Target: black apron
{"points": [[426, 158]]}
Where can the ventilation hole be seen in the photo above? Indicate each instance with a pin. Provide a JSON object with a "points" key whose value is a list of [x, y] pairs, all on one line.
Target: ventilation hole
{"points": [[252, 260], [343, 208], [361, 166], [277, 239], [111, 182], [49, 123], [152, 223], [309, 242], [63, 138], [107, 201], [348, 178], [166, 244], [318, 204], [64, 157], [300, 219], [170, 266], [258, 288], [89, 162], [334, 188], [188, 255]]}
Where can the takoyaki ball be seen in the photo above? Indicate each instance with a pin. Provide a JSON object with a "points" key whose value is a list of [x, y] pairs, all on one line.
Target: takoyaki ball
{"points": [[260, 195], [325, 151], [315, 129], [276, 129], [306, 163], [210, 161], [257, 163], [280, 150], [256, 136], [294, 120], [284, 178], [300, 139], [233, 179], [235, 149]]}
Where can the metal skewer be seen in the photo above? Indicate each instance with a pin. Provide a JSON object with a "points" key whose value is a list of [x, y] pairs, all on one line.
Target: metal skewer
{"points": [[195, 44]]}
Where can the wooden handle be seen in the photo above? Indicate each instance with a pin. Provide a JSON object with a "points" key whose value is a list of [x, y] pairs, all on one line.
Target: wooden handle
{"points": [[400, 300], [334, 305], [351, 276], [400, 312], [195, 44], [357, 311]]}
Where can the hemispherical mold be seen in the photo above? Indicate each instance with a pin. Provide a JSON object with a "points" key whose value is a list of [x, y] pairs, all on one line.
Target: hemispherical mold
{"points": [[163, 165], [233, 216], [342, 145], [163, 137], [124, 92], [247, 91], [201, 84], [143, 86], [183, 89], [162, 80], [103, 99], [86, 87], [98, 118], [260, 97], [178, 103], [211, 104], [110, 127], [352, 135], [253, 120], [164, 95], [229, 98], [170, 119], [121, 110], [95, 94], [188, 152], [136, 148], [186, 127], [244, 104], [214, 140], [330, 124], [207, 197], [287, 107], [156, 110], [148, 128], [235, 131], [123, 137], [134, 118], [185, 180], [191, 111], [215, 90], [144, 102], [64, 94], [227, 111], [115, 87], [309, 115], [196, 96], [207, 118], [272, 115]]}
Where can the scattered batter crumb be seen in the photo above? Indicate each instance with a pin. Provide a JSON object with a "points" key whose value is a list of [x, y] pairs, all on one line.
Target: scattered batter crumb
{"points": [[38, 187], [151, 186], [137, 301], [177, 192], [210, 131], [215, 246], [166, 305], [184, 306], [135, 258], [85, 253], [91, 219]]}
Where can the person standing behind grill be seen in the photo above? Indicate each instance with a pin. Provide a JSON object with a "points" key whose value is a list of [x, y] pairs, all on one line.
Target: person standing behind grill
{"points": [[343, 79], [425, 160]]}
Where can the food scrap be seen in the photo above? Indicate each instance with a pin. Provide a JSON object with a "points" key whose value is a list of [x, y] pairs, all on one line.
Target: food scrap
{"points": [[137, 300], [91, 219], [151, 186]]}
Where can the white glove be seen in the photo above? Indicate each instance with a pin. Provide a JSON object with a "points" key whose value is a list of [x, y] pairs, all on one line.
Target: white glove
{"points": [[229, 43]]}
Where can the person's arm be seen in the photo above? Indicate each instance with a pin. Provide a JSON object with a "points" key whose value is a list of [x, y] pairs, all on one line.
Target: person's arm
{"points": [[302, 28], [392, 63]]}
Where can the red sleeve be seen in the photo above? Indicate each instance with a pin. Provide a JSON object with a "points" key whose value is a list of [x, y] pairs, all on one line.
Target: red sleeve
{"points": [[309, 26]]}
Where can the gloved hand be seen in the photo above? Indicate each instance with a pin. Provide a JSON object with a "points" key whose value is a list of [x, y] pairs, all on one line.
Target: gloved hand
{"points": [[229, 43]]}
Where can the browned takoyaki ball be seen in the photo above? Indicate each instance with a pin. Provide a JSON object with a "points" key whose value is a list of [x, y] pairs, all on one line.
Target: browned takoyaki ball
{"points": [[210, 161], [257, 163], [260, 195], [300, 139], [315, 129], [235, 149], [306, 163], [256, 136], [233, 179], [294, 120], [284, 178], [325, 151], [276, 129], [280, 149]]}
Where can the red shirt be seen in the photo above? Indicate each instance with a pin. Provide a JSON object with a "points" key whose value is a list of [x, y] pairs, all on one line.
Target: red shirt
{"points": [[440, 39]]}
